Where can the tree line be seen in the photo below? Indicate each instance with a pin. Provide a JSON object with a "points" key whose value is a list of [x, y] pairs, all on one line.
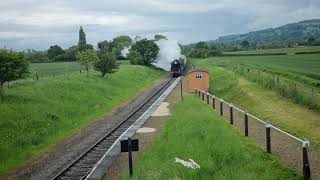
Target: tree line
{"points": [[15, 65]]}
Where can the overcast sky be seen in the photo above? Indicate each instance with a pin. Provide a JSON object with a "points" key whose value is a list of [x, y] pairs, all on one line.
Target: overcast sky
{"points": [[38, 24]]}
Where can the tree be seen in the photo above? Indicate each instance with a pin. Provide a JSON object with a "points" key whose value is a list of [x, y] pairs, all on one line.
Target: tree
{"points": [[116, 45], [87, 58], [36, 56], [148, 50], [82, 40], [106, 64], [54, 51], [201, 45], [70, 53], [13, 66], [135, 57], [311, 41], [245, 44], [157, 37]]}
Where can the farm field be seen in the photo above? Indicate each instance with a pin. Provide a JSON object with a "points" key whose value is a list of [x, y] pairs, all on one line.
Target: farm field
{"points": [[296, 77], [37, 114], [263, 102], [205, 137], [54, 68], [290, 51]]}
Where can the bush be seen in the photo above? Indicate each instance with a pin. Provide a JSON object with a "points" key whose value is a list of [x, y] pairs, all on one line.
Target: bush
{"points": [[135, 58]]}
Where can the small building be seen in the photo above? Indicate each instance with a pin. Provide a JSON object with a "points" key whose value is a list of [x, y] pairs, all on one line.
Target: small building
{"points": [[198, 79]]}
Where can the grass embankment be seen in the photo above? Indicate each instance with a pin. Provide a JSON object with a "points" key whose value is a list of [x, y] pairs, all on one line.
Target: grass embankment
{"points": [[195, 131], [37, 114], [265, 103]]}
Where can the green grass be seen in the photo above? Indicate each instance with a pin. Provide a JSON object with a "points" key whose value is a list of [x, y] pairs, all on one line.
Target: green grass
{"points": [[37, 114], [299, 75], [195, 131], [54, 68], [278, 50], [266, 104]]}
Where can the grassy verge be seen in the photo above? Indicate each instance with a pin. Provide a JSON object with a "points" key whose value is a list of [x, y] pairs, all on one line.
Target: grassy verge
{"points": [[196, 132], [37, 114], [265, 103]]}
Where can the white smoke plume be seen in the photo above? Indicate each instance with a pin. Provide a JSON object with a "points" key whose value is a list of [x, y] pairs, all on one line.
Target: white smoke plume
{"points": [[169, 50], [125, 51]]}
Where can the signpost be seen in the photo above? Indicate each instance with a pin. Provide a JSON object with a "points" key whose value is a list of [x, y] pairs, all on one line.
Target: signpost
{"points": [[129, 146]]}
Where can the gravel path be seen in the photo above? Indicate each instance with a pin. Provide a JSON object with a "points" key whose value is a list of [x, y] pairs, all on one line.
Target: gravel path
{"points": [[51, 162]]}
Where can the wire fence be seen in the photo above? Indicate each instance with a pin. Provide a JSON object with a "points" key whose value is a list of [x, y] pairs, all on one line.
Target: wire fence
{"points": [[293, 151]]}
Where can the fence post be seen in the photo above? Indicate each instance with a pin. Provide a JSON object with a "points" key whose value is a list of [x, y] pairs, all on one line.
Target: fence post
{"points": [[207, 98], [181, 90], [246, 128], [195, 91], [199, 93], [213, 102], [306, 165], [268, 137], [221, 107], [202, 95], [231, 114]]}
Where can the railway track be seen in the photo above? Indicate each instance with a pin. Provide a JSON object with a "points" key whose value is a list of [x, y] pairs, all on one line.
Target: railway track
{"points": [[84, 163]]}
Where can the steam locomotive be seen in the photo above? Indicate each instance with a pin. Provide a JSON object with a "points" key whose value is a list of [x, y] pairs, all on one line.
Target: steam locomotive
{"points": [[177, 66]]}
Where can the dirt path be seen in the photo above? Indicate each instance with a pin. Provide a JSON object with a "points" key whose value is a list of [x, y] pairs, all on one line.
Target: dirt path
{"points": [[156, 121], [49, 163]]}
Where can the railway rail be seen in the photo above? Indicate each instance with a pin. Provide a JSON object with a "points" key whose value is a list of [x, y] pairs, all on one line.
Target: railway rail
{"points": [[83, 164]]}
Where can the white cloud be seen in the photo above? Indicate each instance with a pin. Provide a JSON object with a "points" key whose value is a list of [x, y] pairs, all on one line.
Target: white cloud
{"points": [[45, 22]]}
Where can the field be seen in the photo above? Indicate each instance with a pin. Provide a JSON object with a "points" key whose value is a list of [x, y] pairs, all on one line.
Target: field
{"points": [[266, 103], [54, 68], [37, 114], [296, 77], [289, 51], [220, 150]]}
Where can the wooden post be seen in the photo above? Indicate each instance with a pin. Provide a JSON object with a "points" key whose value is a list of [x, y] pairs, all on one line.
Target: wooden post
{"points": [[268, 137], [130, 156], [195, 91], [231, 114], [199, 93], [207, 98], [202, 95], [37, 77], [181, 92], [213, 102], [306, 165], [221, 107], [246, 128]]}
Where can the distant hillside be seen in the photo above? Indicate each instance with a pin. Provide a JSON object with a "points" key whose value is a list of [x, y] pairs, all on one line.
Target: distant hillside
{"points": [[291, 33]]}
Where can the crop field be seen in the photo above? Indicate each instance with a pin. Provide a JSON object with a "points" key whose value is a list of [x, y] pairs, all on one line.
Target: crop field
{"points": [[289, 51], [296, 77], [54, 68], [264, 102], [37, 114], [205, 137]]}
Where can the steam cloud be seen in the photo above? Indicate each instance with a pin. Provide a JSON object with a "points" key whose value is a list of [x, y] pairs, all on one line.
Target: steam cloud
{"points": [[125, 51], [169, 50]]}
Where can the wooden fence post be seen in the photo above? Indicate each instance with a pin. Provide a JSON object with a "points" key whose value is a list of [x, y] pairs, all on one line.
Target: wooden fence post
{"points": [[246, 128], [207, 98], [268, 137], [202, 95], [195, 91], [221, 107], [231, 114], [199, 93], [213, 102], [306, 165]]}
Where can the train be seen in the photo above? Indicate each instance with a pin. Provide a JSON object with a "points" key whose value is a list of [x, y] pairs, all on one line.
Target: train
{"points": [[178, 66]]}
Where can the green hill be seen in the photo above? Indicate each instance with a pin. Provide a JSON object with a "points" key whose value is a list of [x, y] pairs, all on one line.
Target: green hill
{"points": [[291, 33]]}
